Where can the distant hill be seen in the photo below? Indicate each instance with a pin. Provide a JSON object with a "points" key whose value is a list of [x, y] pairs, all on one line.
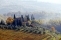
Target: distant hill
{"points": [[38, 15]]}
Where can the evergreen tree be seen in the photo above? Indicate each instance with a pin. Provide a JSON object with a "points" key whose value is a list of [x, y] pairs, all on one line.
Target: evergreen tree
{"points": [[32, 17], [28, 19], [22, 19], [2, 22], [14, 16]]}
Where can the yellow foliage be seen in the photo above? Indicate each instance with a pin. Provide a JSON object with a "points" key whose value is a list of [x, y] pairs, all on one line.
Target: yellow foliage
{"points": [[9, 20]]}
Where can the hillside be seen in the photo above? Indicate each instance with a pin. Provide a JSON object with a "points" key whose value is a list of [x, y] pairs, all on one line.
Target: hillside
{"points": [[6, 34], [21, 35]]}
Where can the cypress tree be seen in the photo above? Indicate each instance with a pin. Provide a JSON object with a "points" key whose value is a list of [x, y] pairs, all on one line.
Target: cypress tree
{"points": [[22, 18], [32, 17], [14, 16], [2, 22], [28, 19]]}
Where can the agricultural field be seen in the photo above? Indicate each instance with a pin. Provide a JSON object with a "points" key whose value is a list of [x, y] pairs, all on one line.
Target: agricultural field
{"points": [[19, 35]]}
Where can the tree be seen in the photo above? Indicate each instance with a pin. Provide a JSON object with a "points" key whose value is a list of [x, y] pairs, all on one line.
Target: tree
{"points": [[32, 17], [28, 19], [2, 22], [14, 16], [22, 19], [9, 20]]}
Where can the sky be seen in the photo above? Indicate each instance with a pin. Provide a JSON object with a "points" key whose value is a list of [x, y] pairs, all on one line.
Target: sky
{"points": [[8, 2], [30, 3], [51, 1]]}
